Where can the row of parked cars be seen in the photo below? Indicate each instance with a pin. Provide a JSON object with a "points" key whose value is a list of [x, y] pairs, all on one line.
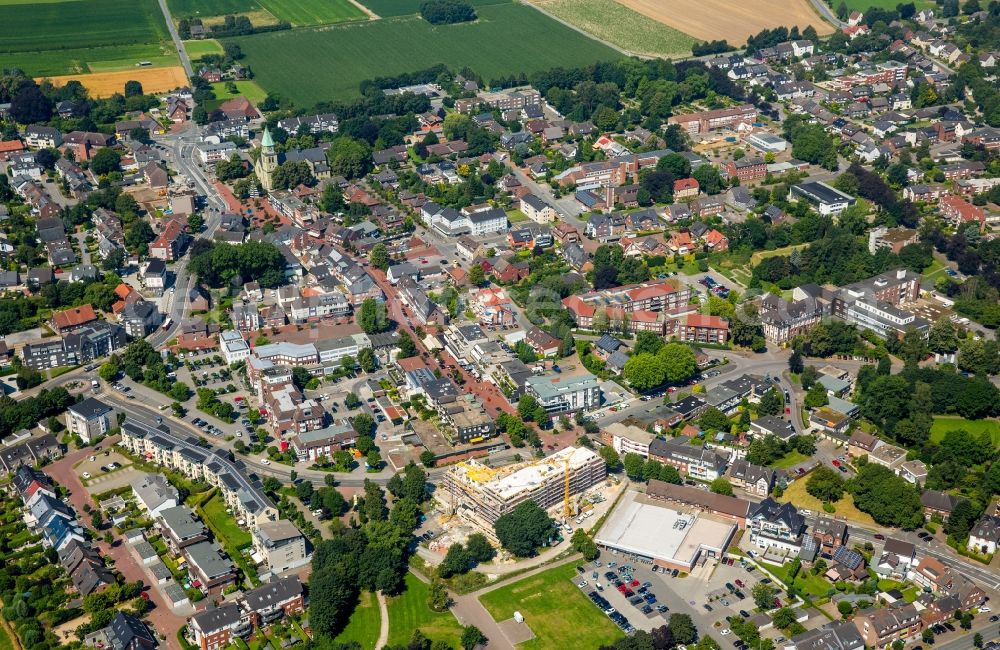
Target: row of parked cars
{"points": [[612, 613], [714, 287]]}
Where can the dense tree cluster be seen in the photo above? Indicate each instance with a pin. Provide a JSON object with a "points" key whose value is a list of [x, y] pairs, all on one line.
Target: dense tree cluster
{"points": [[219, 264], [889, 499], [447, 12], [372, 557], [673, 363], [524, 529], [766, 450], [26, 413]]}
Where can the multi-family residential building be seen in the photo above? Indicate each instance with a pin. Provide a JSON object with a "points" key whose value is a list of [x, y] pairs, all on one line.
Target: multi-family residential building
{"points": [[154, 493], [985, 535], [320, 444], [215, 628], [826, 199], [897, 559], [834, 636], [274, 600], [160, 446], [89, 419], [691, 460], [281, 545], [754, 479], [627, 439], [234, 347], [561, 393], [722, 118], [776, 525], [880, 627], [180, 527]]}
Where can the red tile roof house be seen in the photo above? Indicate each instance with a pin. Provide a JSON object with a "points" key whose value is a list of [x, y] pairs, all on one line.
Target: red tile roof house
{"points": [[69, 320], [699, 328], [170, 242], [239, 108], [7, 147], [686, 187], [961, 212], [716, 241]]}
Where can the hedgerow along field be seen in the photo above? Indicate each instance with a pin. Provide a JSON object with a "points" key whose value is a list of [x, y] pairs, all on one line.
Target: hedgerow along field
{"points": [[312, 65], [390, 8], [37, 36], [620, 26], [296, 12]]}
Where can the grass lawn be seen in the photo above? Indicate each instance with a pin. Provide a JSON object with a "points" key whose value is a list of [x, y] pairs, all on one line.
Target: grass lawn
{"points": [[329, 63], [756, 258], [555, 609], [198, 49], [617, 24], [945, 423], [791, 459], [223, 523], [248, 89], [5, 642], [805, 582], [516, 216], [409, 612], [363, 626], [796, 493], [935, 268]]}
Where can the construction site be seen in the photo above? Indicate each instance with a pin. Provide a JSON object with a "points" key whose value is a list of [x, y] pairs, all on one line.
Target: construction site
{"points": [[481, 494]]}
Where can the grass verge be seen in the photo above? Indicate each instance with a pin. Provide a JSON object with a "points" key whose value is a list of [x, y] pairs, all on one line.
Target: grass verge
{"points": [[409, 611]]}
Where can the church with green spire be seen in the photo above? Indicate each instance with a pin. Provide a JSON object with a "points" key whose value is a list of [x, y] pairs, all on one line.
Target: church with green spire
{"points": [[268, 161]]}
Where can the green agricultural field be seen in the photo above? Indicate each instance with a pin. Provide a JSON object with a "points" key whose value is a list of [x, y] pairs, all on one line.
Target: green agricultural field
{"points": [[63, 26], [297, 12], [88, 59], [248, 89], [617, 24], [389, 8], [944, 423], [409, 611], [313, 65], [862, 5], [554, 608], [201, 8], [363, 626], [314, 12]]}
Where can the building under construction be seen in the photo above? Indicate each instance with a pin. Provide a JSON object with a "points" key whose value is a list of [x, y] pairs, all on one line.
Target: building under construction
{"points": [[483, 494]]}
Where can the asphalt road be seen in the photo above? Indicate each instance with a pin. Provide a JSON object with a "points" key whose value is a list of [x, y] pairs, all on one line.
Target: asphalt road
{"points": [[828, 15], [181, 52]]}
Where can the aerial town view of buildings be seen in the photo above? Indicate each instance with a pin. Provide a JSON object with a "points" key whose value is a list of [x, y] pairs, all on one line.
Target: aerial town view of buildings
{"points": [[582, 349]]}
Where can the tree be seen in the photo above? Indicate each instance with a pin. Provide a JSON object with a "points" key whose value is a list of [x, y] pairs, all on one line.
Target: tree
{"points": [[523, 529], [379, 257], [816, 396], [366, 359], [105, 161], [825, 484], [961, 520], [647, 342], [714, 420], [109, 371], [942, 338], [682, 628], [364, 424], [678, 361], [471, 637], [583, 544], [771, 403], [845, 608], [133, 88], [633, 464], [477, 277], [644, 371], [611, 458], [372, 317], [722, 486], [479, 548], [795, 363], [889, 499], [456, 561], [437, 596], [763, 595]]}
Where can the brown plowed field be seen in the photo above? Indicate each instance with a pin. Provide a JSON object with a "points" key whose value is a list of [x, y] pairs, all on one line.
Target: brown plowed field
{"points": [[732, 20]]}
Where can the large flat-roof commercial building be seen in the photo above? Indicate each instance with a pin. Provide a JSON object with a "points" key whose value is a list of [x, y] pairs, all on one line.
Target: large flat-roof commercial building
{"points": [[827, 199], [669, 538], [717, 505], [484, 494]]}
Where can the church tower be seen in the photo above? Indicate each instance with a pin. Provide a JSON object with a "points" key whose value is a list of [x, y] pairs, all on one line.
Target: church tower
{"points": [[268, 160]]}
